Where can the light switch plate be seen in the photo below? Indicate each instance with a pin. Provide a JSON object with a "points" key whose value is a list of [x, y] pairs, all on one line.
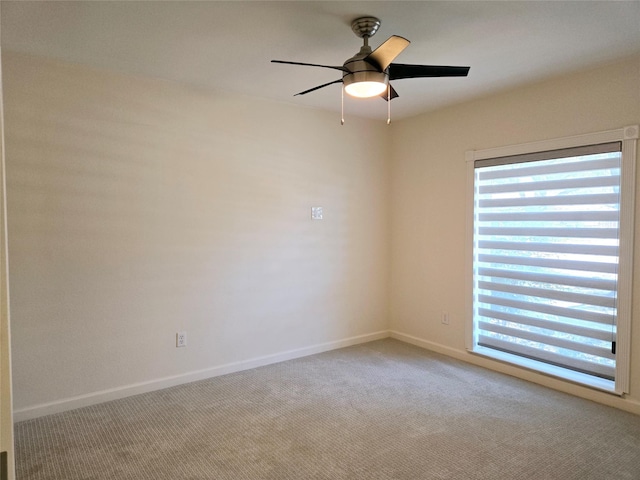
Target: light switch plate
{"points": [[316, 213]]}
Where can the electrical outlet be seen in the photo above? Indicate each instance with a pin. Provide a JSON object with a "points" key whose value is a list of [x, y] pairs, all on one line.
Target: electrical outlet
{"points": [[445, 318], [181, 339]]}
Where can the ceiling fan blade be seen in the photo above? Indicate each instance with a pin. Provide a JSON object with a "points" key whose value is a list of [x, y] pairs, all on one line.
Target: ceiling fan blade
{"points": [[400, 70], [390, 90], [318, 87], [382, 56], [335, 67]]}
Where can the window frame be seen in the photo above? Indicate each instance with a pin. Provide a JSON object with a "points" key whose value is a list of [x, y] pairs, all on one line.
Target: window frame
{"points": [[628, 136]]}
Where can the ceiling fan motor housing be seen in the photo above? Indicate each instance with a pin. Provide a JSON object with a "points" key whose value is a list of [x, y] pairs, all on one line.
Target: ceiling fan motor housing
{"points": [[358, 70]]}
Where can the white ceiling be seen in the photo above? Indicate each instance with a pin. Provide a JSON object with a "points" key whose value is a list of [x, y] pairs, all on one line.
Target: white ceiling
{"points": [[229, 45]]}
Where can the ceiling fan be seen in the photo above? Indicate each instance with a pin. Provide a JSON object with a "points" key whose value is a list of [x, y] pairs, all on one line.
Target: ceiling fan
{"points": [[367, 74]]}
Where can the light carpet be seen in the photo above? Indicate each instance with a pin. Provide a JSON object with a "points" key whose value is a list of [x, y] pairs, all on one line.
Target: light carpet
{"points": [[381, 410]]}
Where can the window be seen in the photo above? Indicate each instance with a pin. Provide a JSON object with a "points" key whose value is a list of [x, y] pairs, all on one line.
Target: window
{"points": [[551, 256]]}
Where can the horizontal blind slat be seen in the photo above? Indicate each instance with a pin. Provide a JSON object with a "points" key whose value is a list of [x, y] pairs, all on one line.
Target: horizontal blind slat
{"points": [[571, 216], [596, 267], [594, 350], [578, 314], [600, 250], [557, 200], [545, 293], [533, 170], [586, 182], [609, 233], [598, 283], [596, 333]]}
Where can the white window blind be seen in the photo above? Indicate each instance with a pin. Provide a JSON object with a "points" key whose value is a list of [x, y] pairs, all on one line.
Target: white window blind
{"points": [[546, 256]]}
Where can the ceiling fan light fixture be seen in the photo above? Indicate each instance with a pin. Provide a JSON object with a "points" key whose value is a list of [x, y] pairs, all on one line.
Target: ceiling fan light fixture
{"points": [[365, 89], [365, 84]]}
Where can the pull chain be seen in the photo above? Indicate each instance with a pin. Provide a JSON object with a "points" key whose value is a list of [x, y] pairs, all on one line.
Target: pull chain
{"points": [[342, 107], [388, 104]]}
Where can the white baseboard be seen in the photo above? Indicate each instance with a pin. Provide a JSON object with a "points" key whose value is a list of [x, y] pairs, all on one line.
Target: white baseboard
{"points": [[93, 398], [429, 345], [101, 396], [627, 404]]}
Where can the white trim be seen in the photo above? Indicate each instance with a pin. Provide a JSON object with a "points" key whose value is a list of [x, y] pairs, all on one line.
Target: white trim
{"points": [[632, 132], [627, 133], [160, 383], [625, 259], [468, 253], [626, 404], [429, 345]]}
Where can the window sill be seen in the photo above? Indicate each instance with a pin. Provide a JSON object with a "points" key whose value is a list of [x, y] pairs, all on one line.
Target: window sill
{"points": [[582, 379]]}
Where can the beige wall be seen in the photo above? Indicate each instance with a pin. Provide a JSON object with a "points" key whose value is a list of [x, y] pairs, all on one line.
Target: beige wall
{"points": [[139, 208], [428, 196]]}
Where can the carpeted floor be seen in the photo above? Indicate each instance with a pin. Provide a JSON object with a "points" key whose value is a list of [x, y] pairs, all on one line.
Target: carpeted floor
{"points": [[382, 410]]}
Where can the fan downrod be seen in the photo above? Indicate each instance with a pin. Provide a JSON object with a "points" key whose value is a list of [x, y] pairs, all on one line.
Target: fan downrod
{"points": [[365, 27]]}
